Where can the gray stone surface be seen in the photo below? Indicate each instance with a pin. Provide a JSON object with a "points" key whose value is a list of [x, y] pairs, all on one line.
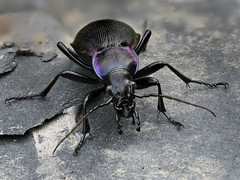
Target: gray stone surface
{"points": [[37, 64], [201, 38]]}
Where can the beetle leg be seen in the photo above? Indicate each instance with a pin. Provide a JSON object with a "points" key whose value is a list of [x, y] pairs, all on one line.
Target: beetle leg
{"points": [[143, 42], [93, 95], [118, 118], [73, 56], [178, 124], [65, 74], [153, 67], [146, 82], [138, 120], [133, 121]]}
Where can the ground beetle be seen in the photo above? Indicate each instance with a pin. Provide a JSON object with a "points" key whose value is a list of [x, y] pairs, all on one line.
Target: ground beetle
{"points": [[109, 48]]}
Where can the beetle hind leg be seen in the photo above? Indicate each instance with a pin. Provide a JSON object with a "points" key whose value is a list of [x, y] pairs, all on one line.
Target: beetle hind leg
{"points": [[143, 42], [213, 85], [73, 56]]}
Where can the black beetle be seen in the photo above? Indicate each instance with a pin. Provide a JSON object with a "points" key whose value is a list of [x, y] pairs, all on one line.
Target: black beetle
{"points": [[109, 48]]}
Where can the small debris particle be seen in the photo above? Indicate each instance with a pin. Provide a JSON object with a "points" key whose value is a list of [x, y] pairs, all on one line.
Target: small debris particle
{"points": [[7, 63], [39, 54], [48, 56], [25, 52], [7, 45]]}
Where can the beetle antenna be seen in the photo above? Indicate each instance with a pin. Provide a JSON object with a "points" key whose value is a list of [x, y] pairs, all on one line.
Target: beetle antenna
{"points": [[83, 119], [175, 99]]}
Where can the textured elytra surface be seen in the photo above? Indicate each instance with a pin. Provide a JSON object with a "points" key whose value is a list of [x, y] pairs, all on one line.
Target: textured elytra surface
{"points": [[104, 33]]}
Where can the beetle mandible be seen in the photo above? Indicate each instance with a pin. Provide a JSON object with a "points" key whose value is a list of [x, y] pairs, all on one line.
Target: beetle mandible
{"points": [[110, 49]]}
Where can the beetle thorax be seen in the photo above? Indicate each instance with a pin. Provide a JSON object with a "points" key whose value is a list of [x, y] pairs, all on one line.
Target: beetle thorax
{"points": [[113, 58]]}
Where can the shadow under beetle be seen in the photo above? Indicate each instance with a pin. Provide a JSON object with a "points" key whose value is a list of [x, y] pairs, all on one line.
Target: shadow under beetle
{"points": [[109, 49]]}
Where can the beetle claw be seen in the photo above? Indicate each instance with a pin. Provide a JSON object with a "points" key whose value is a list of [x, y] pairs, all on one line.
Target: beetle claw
{"points": [[187, 85], [7, 101], [80, 144], [120, 132], [138, 129]]}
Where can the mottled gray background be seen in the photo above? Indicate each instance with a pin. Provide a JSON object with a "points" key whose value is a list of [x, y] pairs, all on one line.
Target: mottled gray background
{"points": [[199, 37]]}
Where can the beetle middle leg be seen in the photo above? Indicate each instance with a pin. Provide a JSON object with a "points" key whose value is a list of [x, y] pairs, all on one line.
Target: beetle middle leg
{"points": [[146, 82], [65, 74], [93, 95], [153, 67]]}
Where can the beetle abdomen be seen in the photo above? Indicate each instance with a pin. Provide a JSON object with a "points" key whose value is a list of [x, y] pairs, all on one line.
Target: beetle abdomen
{"points": [[105, 33]]}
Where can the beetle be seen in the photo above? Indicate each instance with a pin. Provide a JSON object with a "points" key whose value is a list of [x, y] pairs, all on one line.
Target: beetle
{"points": [[109, 49]]}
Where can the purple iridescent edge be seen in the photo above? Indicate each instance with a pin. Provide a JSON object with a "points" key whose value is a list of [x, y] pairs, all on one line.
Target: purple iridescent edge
{"points": [[97, 68]]}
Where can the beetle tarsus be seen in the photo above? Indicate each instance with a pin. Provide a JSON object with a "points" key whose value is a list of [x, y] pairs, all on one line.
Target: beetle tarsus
{"points": [[31, 96], [133, 121], [80, 144], [119, 125], [212, 85], [187, 85], [176, 123], [120, 131], [135, 114], [138, 129]]}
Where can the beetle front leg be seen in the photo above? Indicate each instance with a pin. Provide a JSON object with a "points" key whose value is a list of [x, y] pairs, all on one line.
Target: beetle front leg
{"points": [[93, 95], [153, 67], [118, 118], [146, 82], [135, 115]]}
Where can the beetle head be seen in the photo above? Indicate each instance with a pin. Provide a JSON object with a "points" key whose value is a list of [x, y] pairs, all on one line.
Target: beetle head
{"points": [[121, 88]]}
